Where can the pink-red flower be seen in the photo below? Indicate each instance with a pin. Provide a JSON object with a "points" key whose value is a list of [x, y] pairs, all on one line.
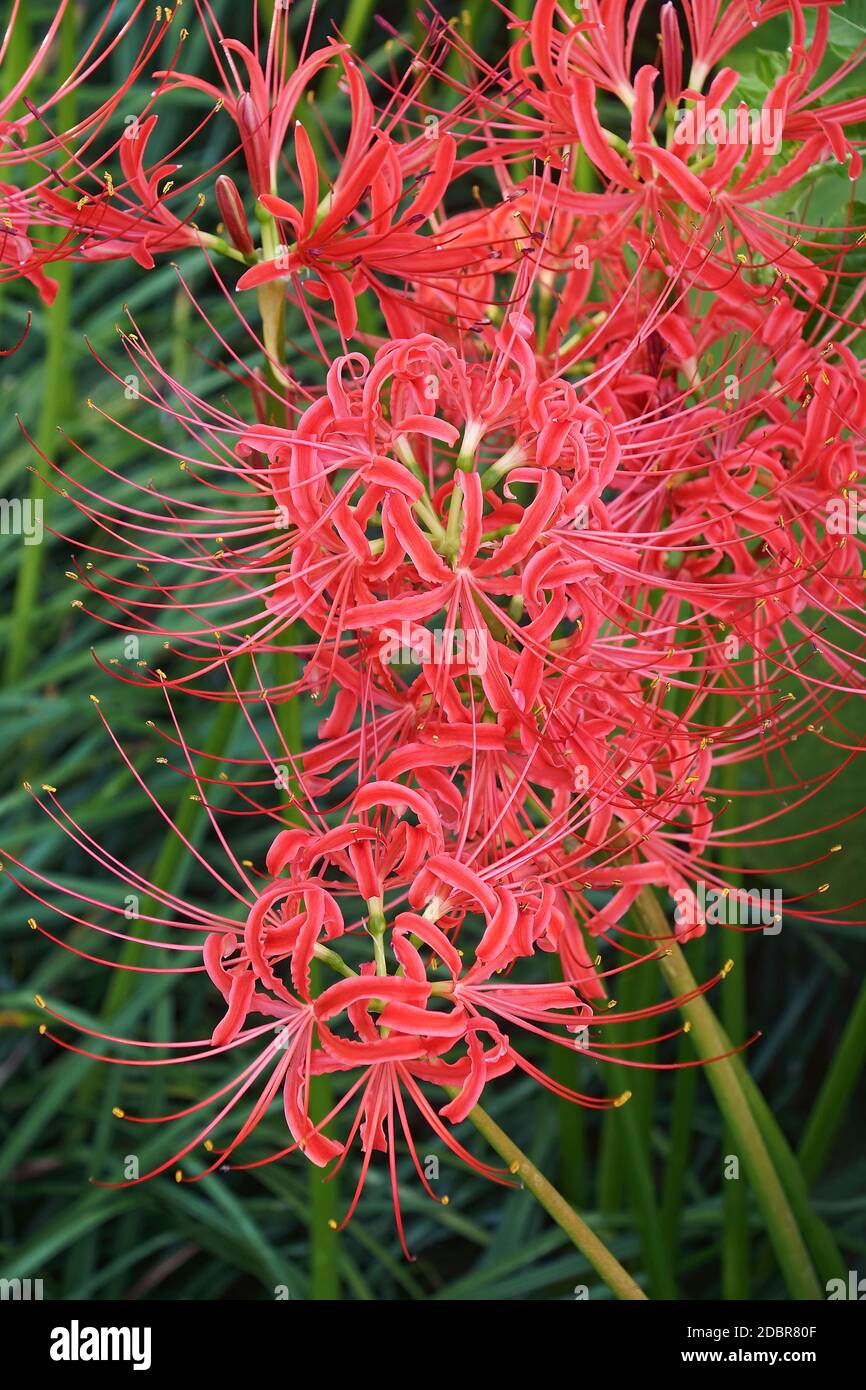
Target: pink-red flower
{"points": [[544, 521]]}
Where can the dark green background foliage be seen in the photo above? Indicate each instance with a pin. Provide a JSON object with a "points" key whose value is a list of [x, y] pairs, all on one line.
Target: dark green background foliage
{"points": [[648, 1177]]}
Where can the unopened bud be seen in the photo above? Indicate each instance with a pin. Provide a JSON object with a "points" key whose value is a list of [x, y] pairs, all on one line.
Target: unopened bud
{"points": [[231, 206], [672, 54], [251, 127]]}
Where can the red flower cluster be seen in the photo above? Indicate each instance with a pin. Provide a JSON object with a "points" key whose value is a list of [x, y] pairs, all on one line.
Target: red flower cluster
{"points": [[542, 519]]}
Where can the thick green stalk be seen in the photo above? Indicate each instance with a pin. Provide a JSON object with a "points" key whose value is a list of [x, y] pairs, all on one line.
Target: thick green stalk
{"points": [[724, 1079], [596, 1252], [834, 1096], [819, 1238], [735, 1203], [735, 1206], [323, 1215]]}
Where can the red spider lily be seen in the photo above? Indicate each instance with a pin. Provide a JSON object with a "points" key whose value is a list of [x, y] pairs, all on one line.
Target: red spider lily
{"points": [[425, 1009], [347, 249], [63, 156], [132, 220], [713, 478], [551, 552], [365, 226], [670, 171]]}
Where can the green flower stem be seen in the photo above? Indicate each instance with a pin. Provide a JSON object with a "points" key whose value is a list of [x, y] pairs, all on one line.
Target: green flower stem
{"points": [[735, 1207], [829, 1109], [324, 1196], [735, 1223], [724, 1078], [819, 1238], [596, 1252]]}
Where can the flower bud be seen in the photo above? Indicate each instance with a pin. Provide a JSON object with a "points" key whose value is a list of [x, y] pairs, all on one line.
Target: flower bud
{"points": [[672, 54], [252, 127], [231, 206]]}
